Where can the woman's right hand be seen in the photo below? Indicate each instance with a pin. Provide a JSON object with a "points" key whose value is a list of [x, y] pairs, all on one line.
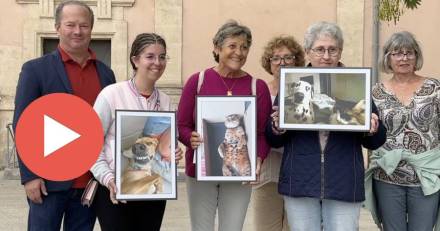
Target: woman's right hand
{"points": [[112, 189], [195, 140], [276, 121]]}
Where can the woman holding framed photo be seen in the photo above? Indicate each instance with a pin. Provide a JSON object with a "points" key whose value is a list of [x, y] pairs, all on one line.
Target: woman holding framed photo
{"points": [[322, 173], [148, 58], [231, 47]]}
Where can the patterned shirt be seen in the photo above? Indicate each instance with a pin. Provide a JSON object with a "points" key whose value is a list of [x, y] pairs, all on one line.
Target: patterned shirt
{"points": [[414, 127]]}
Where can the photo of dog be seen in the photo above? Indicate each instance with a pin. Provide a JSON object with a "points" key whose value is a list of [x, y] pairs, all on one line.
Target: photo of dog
{"points": [[348, 115], [145, 164], [325, 98], [141, 154], [138, 176], [299, 108]]}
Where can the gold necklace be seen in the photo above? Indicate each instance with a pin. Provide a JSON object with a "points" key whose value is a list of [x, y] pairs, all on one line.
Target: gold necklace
{"points": [[229, 89]]}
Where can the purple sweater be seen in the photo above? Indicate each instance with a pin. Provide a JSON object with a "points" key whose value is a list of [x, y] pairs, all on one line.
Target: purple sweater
{"points": [[213, 85]]}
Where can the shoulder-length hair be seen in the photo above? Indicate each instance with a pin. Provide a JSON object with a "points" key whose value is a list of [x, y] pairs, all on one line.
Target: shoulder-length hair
{"points": [[397, 42]]}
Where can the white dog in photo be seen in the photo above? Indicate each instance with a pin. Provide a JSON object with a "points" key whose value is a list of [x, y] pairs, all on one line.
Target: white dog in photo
{"points": [[298, 103]]}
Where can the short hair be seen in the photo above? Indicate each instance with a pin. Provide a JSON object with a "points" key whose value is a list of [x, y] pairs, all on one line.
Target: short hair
{"points": [[323, 29], [230, 29], [59, 11], [397, 42], [142, 41], [278, 42]]}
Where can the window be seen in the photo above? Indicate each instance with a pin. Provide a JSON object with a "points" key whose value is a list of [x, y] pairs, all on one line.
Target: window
{"points": [[102, 48]]}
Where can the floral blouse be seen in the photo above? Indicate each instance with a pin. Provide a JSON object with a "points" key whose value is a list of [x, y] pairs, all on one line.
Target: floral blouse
{"points": [[414, 127]]}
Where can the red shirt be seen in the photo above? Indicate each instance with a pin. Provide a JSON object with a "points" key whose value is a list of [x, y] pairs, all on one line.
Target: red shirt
{"points": [[85, 84]]}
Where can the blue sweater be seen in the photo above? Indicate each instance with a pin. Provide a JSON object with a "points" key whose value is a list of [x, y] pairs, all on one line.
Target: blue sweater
{"points": [[339, 176]]}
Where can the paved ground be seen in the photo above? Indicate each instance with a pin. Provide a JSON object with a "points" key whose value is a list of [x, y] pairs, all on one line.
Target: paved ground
{"points": [[13, 210]]}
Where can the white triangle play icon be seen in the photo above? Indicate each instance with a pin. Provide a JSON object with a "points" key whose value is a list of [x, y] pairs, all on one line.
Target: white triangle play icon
{"points": [[56, 135]]}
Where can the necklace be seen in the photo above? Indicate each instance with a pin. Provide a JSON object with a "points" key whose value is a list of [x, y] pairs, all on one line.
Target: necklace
{"points": [[153, 99], [229, 89]]}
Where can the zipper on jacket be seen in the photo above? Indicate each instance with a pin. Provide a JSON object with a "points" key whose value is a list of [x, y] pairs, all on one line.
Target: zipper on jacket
{"points": [[322, 166], [322, 175]]}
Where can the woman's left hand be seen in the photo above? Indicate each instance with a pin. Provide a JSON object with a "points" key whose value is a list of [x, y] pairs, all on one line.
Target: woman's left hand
{"points": [[179, 154], [374, 123], [257, 172]]}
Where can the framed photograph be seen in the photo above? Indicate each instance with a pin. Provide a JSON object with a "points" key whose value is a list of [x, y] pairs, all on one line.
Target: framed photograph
{"points": [[227, 125], [145, 143], [335, 99]]}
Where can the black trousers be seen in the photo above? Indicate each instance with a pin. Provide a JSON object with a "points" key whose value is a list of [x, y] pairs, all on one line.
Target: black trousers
{"points": [[134, 215]]}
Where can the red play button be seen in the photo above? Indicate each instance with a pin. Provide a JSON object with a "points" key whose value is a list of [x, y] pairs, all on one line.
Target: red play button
{"points": [[59, 136]]}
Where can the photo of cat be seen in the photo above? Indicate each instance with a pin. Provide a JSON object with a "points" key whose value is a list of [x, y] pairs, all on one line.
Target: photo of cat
{"points": [[233, 150], [228, 127]]}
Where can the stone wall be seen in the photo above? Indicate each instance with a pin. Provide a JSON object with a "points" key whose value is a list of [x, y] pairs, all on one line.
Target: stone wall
{"points": [[117, 20], [188, 27]]}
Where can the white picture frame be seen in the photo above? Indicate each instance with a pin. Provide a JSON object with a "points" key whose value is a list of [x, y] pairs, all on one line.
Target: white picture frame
{"points": [[334, 99], [145, 164], [212, 155]]}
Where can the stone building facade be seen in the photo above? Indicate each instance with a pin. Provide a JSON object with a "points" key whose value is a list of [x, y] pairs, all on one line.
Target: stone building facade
{"points": [[188, 27]]}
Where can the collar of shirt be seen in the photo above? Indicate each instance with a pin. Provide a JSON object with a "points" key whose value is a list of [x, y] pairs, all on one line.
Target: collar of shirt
{"points": [[66, 57]]}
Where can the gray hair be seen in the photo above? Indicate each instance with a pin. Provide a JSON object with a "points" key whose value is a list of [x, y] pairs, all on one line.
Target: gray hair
{"points": [[230, 29], [59, 11], [397, 42], [323, 29]]}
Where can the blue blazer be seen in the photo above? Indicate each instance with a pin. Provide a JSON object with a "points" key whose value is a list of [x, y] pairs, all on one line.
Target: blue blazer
{"points": [[42, 76]]}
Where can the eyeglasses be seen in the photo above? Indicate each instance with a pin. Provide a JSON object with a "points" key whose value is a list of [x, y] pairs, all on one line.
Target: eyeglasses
{"points": [[160, 58], [400, 55], [288, 59], [320, 51]]}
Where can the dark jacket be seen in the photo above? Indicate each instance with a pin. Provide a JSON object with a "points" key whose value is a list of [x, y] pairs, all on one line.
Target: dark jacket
{"points": [[338, 176], [42, 76]]}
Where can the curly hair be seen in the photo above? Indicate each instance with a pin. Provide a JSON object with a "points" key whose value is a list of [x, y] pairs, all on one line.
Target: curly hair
{"points": [[278, 42]]}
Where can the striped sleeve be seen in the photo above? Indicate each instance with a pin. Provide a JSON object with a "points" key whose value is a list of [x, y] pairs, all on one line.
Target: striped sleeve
{"points": [[101, 169]]}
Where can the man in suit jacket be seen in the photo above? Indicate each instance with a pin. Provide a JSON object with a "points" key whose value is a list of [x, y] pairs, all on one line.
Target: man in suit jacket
{"points": [[73, 69]]}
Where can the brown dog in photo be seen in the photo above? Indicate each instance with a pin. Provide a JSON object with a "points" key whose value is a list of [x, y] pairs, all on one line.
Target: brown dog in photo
{"points": [[354, 115], [138, 178]]}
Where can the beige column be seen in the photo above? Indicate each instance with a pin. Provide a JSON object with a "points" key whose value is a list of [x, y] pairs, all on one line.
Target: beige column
{"points": [[46, 8], [168, 23], [104, 9], [350, 17]]}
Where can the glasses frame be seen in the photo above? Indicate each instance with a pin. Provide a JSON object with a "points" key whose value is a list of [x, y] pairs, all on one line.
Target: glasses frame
{"points": [[156, 57], [326, 50], [272, 59], [409, 55]]}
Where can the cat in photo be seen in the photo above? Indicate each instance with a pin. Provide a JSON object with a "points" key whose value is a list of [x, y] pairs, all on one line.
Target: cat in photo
{"points": [[233, 149]]}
